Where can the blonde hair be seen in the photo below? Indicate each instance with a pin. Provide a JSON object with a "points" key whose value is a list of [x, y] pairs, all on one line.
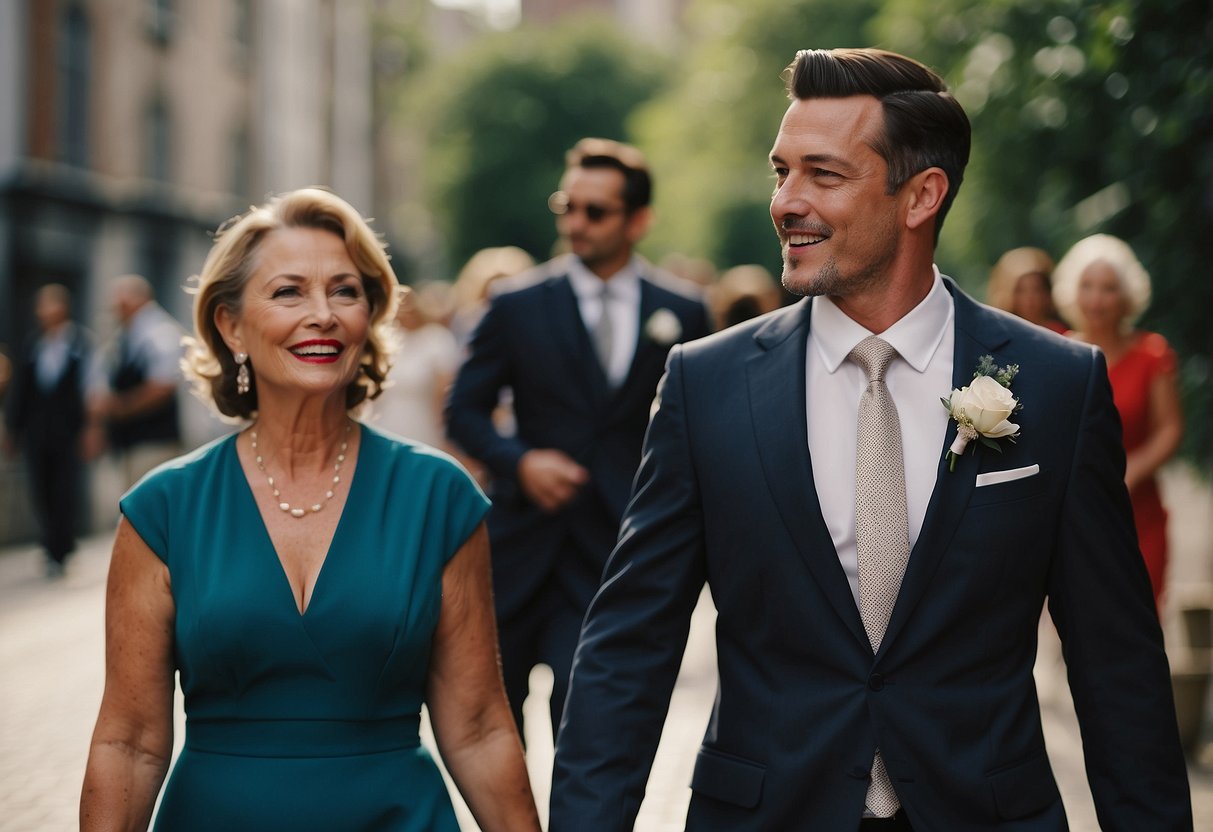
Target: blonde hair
{"points": [[1014, 264], [1116, 253], [744, 292], [231, 262], [471, 287]]}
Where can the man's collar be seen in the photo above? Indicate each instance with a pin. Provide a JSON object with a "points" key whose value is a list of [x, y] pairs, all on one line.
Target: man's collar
{"points": [[915, 336], [585, 283]]}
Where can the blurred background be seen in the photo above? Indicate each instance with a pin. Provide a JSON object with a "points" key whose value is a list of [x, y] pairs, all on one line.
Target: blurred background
{"points": [[131, 129]]}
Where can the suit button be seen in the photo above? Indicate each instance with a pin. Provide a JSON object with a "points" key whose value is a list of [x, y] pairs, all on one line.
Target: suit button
{"points": [[859, 773], [876, 682]]}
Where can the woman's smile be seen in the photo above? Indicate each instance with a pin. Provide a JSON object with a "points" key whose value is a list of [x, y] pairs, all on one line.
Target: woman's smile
{"points": [[318, 351]]}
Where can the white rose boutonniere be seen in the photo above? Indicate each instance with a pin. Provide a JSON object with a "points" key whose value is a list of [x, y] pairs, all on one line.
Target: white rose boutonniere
{"points": [[983, 409], [663, 327]]}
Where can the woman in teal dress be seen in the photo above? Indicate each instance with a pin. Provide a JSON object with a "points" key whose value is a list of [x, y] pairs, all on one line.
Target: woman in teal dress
{"points": [[312, 580]]}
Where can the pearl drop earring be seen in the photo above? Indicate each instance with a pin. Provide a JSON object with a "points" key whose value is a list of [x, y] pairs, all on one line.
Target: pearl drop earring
{"points": [[242, 374]]}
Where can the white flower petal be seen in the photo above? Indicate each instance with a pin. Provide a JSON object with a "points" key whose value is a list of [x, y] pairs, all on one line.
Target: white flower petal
{"points": [[1002, 429]]}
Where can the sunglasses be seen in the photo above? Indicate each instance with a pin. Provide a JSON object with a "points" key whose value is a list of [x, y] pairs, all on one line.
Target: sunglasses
{"points": [[560, 205]]}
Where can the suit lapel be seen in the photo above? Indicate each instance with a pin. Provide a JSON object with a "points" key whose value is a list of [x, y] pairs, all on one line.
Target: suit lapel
{"points": [[645, 348], [776, 377], [572, 340], [977, 333]]}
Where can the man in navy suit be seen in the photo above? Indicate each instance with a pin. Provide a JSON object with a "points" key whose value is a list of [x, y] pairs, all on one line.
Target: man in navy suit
{"points": [[581, 345], [749, 481], [45, 417]]}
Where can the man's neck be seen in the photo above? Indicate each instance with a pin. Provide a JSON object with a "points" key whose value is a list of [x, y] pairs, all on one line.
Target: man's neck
{"points": [[879, 308], [606, 269]]}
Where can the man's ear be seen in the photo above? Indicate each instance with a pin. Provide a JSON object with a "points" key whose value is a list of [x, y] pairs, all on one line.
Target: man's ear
{"points": [[638, 223], [926, 191]]}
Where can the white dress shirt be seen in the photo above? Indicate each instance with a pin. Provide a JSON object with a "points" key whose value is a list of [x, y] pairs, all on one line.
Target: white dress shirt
{"points": [[623, 307], [52, 352], [919, 376]]}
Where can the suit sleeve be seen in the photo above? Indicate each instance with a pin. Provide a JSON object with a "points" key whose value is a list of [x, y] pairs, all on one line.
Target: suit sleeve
{"points": [[475, 395], [15, 403], [696, 319], [634, 634], [1101, 603], [703, 321]]}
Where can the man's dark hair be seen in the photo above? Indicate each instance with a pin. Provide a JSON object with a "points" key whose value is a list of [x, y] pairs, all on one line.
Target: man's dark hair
{"points": [[606, 153], [924, 126]]}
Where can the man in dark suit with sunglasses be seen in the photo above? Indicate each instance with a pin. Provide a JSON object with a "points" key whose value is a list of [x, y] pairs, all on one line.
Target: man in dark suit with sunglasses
{"points": [[581, 341]]}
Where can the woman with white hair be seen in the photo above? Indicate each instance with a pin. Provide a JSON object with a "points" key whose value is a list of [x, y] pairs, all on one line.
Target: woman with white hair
{"points": [[1102, 289]]}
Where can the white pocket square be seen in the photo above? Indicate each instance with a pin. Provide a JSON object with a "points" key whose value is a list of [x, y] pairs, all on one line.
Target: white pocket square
{"points": [[995, 477]]}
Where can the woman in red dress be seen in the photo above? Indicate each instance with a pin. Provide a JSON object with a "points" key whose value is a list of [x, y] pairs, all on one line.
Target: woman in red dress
{"points": [[1102, 288]]}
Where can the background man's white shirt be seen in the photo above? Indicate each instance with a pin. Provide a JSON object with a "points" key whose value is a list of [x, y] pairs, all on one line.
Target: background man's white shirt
{"points": [[624, 309]]}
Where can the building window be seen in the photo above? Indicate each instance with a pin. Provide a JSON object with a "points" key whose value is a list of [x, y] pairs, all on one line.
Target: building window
{"points": [[241, 167], [158, 156], [242, 29], [158, 257], [161, 18], [74, 56]]}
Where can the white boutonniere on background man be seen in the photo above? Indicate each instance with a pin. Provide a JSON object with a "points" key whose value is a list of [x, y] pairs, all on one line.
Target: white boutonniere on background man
{"points": [[983, 409], [663, 327]]}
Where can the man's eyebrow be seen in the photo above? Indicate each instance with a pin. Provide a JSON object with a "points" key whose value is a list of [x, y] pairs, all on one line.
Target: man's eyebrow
{"points": [[816, 158]]}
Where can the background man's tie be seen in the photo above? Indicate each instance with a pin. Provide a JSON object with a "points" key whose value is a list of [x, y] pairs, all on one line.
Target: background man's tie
{"points": [[603, 334], [882, 537]]}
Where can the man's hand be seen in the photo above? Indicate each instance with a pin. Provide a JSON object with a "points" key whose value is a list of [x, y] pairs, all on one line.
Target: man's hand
{"points": [[92, 440], [550, 478]]}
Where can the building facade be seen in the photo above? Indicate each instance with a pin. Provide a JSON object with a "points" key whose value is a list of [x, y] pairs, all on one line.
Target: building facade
{"points": [[652, 20], [130, 129]]}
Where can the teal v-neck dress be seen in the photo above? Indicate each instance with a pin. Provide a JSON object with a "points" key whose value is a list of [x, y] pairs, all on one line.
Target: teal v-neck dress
{"points": [[306, 721]]}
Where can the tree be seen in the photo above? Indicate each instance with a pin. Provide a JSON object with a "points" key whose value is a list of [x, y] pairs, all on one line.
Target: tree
{"points": [[1088, 117], [501, 116], [709, 134]]}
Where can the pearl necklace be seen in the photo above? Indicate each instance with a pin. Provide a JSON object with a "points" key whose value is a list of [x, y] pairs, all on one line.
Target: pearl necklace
{"points": [[328, 495]]}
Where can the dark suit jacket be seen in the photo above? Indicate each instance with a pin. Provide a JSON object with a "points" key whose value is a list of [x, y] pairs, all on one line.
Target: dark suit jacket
{"points": [[533, 341], [38, 418], [726, 494]]}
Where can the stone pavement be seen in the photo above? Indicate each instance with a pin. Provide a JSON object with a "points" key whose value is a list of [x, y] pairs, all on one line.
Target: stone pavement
{"points": [[51, 676]]}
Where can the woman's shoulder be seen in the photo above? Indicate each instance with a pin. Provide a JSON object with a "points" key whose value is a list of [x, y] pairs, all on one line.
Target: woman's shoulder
{"points": [[171, 494], [1154, 348], [392, 449], [188, 467]]}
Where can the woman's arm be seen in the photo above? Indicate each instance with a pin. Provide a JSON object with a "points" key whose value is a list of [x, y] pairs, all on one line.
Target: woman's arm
{"points": [[133, 740], [472, 723], [1166, 431]]}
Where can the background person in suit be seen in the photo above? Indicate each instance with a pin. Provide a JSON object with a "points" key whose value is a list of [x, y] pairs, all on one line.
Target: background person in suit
{"points": [[133, 405], [45, 417], [877, 606], [582, 345]]}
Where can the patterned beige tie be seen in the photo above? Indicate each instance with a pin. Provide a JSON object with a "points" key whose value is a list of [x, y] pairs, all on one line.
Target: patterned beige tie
{"points": [[882, 538]]}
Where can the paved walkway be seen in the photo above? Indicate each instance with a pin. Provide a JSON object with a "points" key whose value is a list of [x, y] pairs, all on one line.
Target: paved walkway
{"points": [[51, 667]]}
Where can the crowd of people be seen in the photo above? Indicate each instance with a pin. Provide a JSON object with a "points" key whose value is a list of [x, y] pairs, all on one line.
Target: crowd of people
{"points": [[432, 489]]}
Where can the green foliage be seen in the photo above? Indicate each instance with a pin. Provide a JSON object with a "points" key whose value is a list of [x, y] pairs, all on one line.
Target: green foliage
{"points": [[709, 134], [1088, 117], [501, 116]]}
